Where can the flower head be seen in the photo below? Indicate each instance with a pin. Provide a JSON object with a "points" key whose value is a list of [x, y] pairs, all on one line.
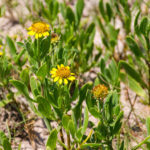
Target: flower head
{"points": [[39, 29], [54, 38], [62, 74], [100, 91]]}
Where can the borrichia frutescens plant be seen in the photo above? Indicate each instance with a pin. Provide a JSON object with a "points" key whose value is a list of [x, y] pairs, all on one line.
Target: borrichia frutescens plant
{"points": [[53, 87]]}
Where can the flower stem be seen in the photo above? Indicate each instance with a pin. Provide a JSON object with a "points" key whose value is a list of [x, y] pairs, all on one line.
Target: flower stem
{"points": [[68, 141], [62, 137]]}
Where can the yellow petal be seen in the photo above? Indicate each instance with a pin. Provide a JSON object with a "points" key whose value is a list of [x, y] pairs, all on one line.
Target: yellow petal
{"points": [[72, 73], [31, 33], [68, 67], [53, 72], [36, 36], [54, 69], [58, 66], [53, 76], [1, 53], [60, 81], [40, 35], [61, 65], [65, 81], [56, 79], [46, 34], [71, 78], [30, 28]]}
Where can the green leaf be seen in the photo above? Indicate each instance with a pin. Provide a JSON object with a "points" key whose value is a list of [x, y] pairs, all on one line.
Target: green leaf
{"points": [[83, 91], [102, 65], [52, 139], [65, 121], [75, 93], [5, 102], [42, 72], [85, 123], [29, 48], [148, 125], [122, 146], [4, 141], [143, 25], [44, 107], [113, 33], [79, 134], [33, 85], [136, 27], [132, 72], [53, 101], [93, 145], [79, 10], [70, 15], [94, 112], [148, 131], [114, 73], [101, 9], [11, 45], [133, 85], [44, 47], [25, 76], [117, 123], [82, 95], [109, 11], [71, 127], [22, 88], [90, 102], [134, 47]]}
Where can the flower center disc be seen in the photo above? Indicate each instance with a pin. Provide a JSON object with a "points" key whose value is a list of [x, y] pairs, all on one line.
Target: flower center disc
{"points": [[63, 72], [40, 27]]}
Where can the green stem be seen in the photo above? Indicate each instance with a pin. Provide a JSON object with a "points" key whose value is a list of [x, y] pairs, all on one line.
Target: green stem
{"points": [[38, 51], [140, 144], [62, 144], [118, 140], [62, 137], [109, 145], [48, 125], [68, 141]]}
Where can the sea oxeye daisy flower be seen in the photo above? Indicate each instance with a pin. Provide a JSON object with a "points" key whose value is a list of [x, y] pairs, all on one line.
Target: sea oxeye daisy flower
{"points": [[54, 38], [100, 91], [39, 29], [62, 74]]}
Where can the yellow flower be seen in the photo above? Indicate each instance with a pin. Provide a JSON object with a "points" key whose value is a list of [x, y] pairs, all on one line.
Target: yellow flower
{"points": [[62, 74], [39, 29], [0, 46], [100, 91], [1, 53], [54, 38]]}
